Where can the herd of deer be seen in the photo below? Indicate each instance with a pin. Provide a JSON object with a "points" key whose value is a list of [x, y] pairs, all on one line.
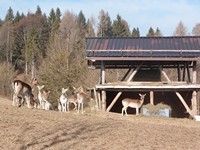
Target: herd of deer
{"points": [[23, 94]]}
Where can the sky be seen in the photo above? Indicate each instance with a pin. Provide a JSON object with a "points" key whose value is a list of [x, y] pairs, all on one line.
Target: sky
{"points": [[165, 14]]}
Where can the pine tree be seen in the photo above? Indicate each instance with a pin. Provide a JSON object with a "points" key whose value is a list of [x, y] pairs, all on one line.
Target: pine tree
{"points": [[81, 20], [136, 32], [9, 15], [120, 27], [38, 11], [105, 25], [158, 32], [17, 17], [150, 32]]}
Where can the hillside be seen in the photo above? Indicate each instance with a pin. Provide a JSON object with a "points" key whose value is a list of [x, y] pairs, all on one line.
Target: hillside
{"points": [[23, 128]]}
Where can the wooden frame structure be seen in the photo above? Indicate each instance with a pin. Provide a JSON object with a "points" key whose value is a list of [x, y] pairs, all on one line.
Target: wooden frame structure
{"points": [[185, 64]]}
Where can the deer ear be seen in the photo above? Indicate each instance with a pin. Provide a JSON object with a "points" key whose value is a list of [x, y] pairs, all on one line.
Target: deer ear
{"points": [[139, 94]]}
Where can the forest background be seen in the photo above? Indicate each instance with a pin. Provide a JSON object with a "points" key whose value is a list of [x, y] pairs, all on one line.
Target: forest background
{"points": [[52, 47]]}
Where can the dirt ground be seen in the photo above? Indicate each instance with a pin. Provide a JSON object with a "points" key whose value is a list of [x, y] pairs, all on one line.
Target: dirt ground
{"points": [[33, 129]]}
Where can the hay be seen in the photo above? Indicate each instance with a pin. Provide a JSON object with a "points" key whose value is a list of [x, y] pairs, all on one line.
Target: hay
{"points": [[155, 108]]}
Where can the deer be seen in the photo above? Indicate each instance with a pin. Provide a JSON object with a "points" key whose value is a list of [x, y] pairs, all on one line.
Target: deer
{"points": [[133, 103], [43, 95], [62, 102], [81, 97], [23, 92]]}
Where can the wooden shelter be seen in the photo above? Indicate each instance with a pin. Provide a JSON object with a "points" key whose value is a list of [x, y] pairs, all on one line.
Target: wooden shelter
{"points": [[137, 54]]}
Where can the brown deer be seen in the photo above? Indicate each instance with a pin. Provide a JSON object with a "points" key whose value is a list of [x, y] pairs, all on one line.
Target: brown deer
{"points": [[133, 103], [23, 92], [43, 95]]}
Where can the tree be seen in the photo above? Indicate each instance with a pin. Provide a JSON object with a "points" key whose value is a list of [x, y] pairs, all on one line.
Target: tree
{"points": [[150, 32], [90, 29], [196, 29], [181, 30], [136, 32], [104, 26], [38, 11], [9, 15], [158, 32], [17, 17], [120, 27]]}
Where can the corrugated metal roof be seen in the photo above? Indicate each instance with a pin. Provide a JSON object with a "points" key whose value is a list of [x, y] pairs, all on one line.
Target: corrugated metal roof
{"points": [[185, 47]]}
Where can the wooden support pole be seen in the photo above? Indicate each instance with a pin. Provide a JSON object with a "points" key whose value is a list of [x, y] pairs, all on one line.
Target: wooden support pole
{"points": [[99, 99], [183, 79], [179, 72], [124, 77], [188, 72], [103, 80], [151, 98], [119, 93], [184, 104], [179, 96], [194, 93], [165, 75]]}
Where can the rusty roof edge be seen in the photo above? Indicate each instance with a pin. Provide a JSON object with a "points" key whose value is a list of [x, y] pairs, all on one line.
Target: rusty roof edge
{"points": [[143, 58]]}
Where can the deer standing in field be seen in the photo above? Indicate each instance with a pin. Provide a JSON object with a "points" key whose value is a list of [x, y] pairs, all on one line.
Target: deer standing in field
{"points": [[81, 97], [23, 92], [43, 95], [133, 103], [62, 102]]}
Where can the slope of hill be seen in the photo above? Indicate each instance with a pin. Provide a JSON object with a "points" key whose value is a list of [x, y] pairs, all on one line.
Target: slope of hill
{"points": [[23, 128]]}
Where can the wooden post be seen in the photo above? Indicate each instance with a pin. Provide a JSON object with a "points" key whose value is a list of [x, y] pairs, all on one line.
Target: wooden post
{"points": [[119, 94], [179, 72], [183, 79], [103, 93], [151, 98], [188, 72], [99, 99], [194, 93]]}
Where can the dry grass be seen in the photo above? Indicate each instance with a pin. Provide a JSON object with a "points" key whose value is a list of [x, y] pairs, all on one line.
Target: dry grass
{"points": [[23, 128]]}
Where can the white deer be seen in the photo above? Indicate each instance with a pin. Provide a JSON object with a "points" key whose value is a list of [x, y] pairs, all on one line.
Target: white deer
{"points": [[42, 97], [81, 97], [63, 100], [133, 103]]}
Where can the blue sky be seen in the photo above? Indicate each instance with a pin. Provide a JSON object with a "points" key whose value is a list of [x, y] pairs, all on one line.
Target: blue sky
{"points": [[165, 14]]}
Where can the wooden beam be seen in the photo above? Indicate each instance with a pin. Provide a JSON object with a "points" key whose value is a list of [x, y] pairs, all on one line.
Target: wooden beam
{"points": [[124, 77], [184, 104], [99, 99], [179, 96], [188, 72], [194, 93], [164, 73], [179, 72], [183, 79], [151, 98], [119, 93], [103, 73]]}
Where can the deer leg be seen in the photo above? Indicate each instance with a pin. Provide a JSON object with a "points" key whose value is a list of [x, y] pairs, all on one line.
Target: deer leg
{"points": [[137, 111], [78, 106], [82, 107], [126, 111]]}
